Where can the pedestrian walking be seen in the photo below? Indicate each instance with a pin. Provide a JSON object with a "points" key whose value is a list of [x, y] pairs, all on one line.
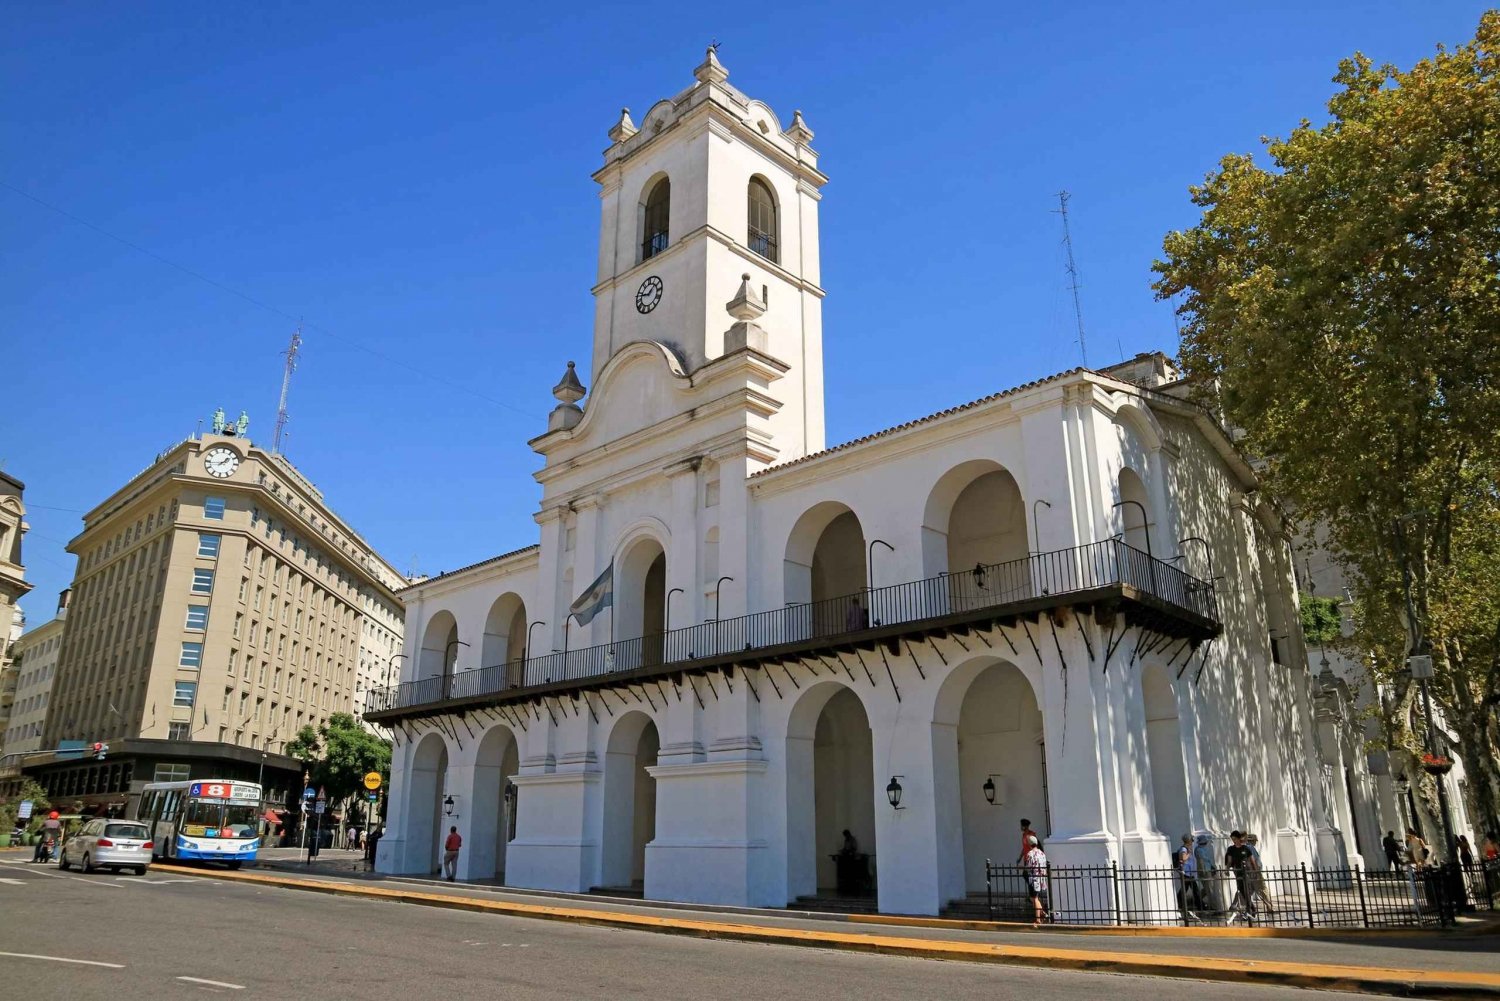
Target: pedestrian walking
{"points": [[1027, 836], [1416, 849], [1392, 851], [451, 847], [1465, 852], [1203, 855], [1186, 864], [1491, 848], [1037, 889], [1258, 876], [1239, 860]]}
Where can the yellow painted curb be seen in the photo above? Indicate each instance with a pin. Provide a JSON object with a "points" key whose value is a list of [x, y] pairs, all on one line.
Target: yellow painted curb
{"points": [[1362, 979], [1143, 931]]}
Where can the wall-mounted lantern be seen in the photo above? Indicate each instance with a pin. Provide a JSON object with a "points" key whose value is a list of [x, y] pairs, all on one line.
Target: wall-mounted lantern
{"points": [[991, 790], [893, 792]]}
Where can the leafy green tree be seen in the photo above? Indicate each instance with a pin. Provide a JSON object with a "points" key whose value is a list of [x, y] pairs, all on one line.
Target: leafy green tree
{"points": [[340, 754], [1341, 306], [40, 804], [1321, 622]]}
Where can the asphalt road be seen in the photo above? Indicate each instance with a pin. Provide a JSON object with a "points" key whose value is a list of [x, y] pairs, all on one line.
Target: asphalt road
{"points": [[105, 936]]}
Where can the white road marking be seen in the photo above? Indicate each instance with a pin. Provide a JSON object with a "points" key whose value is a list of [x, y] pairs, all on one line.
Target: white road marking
{"points": [[63, 959], [93, 882], [14, 882], [213, 983]]}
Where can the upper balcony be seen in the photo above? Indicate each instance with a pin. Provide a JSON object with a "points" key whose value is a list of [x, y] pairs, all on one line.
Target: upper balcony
{"points": [[1101, 574]]}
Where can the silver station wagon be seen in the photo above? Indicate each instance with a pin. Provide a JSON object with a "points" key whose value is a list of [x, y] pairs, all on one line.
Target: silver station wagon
{"points": [[108, 844]]}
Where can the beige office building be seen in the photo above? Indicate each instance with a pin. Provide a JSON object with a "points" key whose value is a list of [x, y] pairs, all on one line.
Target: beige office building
{"points": [[34, 663], [13, 585], [218, 606]]}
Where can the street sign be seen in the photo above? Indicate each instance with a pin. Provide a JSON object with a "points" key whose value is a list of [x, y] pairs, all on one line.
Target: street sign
{"points": [[319, 806], [23, 812], [372, 781], [373, 796], [309, 792]]}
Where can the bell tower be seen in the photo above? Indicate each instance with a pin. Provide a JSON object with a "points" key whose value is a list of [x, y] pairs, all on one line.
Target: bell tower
{"points": [[707, 190]]}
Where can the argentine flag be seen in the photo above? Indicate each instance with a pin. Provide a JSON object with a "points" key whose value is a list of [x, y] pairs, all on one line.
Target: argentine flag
{"points": [[599, 596]]}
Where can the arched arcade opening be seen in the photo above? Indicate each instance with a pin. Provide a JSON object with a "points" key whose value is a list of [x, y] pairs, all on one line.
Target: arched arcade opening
{"points": [[830, 789], [629, 800]]}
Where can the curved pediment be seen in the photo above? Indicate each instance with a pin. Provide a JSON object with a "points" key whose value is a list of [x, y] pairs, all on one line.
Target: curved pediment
{"points": [[639, 386]]}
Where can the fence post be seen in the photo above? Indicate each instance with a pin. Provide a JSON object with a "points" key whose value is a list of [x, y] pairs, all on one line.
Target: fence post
{"points": [[989, 888], [1364, 911], [1114, 878], [1307, 894]]}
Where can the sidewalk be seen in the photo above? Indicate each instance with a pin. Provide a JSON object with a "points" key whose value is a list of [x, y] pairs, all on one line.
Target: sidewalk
{"points": [[1447, 964]]}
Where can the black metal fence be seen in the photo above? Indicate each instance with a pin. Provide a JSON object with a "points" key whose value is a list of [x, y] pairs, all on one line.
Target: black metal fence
{"points": [[1062, 572], [1286, 897]]}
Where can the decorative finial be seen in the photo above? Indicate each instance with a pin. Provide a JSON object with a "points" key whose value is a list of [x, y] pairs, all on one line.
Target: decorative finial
{"points": [[568, 391], [799, 133], [745, 305], [624, 128], [711, 71]]}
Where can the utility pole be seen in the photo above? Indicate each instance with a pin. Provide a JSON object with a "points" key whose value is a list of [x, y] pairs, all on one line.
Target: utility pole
{"points": [[286, 384], [1062, 201]]}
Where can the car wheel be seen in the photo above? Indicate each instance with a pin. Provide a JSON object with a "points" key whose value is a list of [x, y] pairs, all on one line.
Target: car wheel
{"points": [[234, 865], [88, 863], [62, 860], [140, 870]]}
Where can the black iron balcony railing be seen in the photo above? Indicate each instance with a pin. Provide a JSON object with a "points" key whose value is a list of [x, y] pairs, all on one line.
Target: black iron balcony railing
{"points": [[1093, 567]]}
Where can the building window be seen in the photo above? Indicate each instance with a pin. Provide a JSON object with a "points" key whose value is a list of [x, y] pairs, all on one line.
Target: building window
{"points": [[208, 545], [177, 731], [197, 617], [203, 581], [657, 218], [170, 773], [239, 620], [192, 656], [761, 237], [184, 695], [213, 508]]}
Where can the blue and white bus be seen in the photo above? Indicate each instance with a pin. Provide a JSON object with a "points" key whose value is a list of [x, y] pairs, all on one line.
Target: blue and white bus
{"points": [[209, 819]]}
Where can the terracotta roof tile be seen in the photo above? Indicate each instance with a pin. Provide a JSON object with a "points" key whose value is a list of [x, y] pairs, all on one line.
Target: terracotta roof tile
{"points": [[471, 566], [922, 420]]}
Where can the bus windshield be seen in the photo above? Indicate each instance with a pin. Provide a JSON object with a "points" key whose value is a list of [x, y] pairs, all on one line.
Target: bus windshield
{"points": [[201, 816], [239, 821]]}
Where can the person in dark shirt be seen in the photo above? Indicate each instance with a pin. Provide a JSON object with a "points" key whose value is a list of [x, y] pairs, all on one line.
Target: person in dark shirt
{"points": [[1240, 859], [1392, 851]]}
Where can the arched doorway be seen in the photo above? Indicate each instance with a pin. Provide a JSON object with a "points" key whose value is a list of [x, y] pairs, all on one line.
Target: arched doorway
{"points": [[425, 791], [629, 800], [824, 569], [492, 809], [1164, 745], [830, 788], [640, 604], [974, 530], [987, 728], [440, 645], [504, 647], [1136, 516]]}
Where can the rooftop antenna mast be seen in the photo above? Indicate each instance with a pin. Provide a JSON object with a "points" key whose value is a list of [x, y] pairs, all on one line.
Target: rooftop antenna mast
{"points": [[1062, 201], [286, 383]]}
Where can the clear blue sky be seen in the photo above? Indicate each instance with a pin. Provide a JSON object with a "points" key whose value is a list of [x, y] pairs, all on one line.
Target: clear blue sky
{"points": [[413, 181]]}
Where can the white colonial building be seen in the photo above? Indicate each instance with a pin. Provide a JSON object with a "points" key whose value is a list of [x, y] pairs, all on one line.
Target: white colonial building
{"points": [[1065, 602]]}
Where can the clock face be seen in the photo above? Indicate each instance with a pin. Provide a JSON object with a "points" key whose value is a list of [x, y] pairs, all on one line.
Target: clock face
{"points": [[221, 461], [648, 295]]}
